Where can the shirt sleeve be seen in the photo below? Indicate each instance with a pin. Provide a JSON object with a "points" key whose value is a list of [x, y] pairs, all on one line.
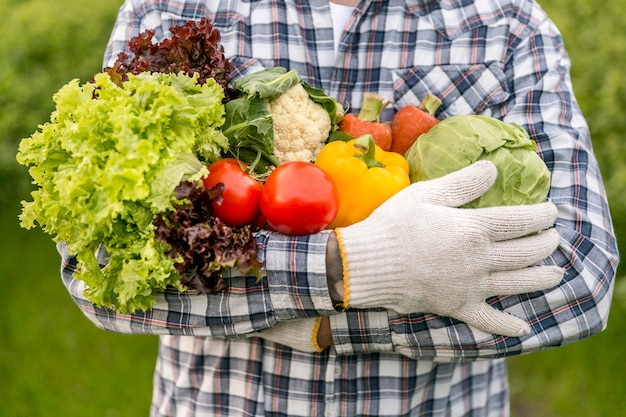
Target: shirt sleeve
{"points": [[127, 25], [361, 332], [294, 287], [542, 101]]}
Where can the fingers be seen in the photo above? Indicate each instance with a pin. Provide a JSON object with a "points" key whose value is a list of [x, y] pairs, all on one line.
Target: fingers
{"points": [[510, 222], [488, 319], [298, 334], [459, 187], [491, 320], [525, 251], [524, 280]]}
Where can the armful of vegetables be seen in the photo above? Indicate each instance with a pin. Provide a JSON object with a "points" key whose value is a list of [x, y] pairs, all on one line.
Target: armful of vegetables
{"points": [[123, 159]]}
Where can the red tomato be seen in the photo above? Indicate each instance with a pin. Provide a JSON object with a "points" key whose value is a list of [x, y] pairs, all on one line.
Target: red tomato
{"points": [[241, 195], [260, 221], [299, 198]]}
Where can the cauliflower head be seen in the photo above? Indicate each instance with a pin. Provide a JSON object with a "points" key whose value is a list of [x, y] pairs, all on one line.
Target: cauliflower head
{"points": [[301, 126]]}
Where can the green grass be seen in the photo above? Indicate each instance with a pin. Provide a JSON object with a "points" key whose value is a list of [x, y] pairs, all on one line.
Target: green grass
{"points": [[581, 379], [53, 361]]}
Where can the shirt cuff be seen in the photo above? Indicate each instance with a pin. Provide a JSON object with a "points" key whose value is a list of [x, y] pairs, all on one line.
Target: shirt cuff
{"points": [[361, 331], [296, 275]]}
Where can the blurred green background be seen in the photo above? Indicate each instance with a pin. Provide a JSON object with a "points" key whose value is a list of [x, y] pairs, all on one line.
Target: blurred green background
{"points": [[53, 362]]}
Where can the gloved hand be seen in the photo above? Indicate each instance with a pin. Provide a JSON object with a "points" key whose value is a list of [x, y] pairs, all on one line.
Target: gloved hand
{"points": [[299, 334], [419, 253]]}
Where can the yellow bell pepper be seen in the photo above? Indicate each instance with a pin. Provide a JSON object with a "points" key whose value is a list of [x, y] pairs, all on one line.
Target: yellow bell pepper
{"points": [[365, 176]]}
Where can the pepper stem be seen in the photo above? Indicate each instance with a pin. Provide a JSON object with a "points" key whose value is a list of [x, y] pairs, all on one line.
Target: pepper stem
{"points": [[366, 145], [371, 107]]}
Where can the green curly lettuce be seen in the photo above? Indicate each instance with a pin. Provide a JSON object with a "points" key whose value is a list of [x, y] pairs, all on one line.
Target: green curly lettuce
{"points": [[107, 163]]}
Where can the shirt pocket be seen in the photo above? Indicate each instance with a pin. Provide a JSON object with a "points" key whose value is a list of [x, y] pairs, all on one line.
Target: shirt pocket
{"points": [[463, 89]]}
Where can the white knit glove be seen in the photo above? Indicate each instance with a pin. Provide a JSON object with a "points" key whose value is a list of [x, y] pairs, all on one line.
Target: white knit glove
{"points": [[419, 253], [298, 334]]}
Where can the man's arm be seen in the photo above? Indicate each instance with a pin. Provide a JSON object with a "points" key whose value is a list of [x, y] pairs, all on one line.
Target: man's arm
{"points": [[542, 101], [295, 287]]}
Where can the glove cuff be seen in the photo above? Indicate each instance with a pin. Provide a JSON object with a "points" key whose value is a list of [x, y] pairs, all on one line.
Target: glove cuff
{"points": [[368, 278], [316, 330]]}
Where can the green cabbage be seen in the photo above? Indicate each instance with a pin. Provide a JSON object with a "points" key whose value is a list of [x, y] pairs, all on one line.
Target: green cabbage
{"points": [[108, 162], [459, 141]]}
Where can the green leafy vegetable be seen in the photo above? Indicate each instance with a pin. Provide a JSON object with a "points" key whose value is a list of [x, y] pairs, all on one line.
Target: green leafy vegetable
{"points": [[268, 83], [194, 47], [459, 141], [108, 162], [249, 128]]}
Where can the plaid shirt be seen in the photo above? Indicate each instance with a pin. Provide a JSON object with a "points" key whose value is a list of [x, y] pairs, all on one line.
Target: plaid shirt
{"points": [[501, 58]]}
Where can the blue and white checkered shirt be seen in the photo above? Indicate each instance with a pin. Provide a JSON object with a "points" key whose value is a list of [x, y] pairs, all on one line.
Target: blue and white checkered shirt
{"points": [[503, 58]]}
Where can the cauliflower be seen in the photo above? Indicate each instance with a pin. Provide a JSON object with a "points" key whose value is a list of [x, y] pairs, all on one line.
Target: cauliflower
{"points": [[301, 126], [278, 117]]}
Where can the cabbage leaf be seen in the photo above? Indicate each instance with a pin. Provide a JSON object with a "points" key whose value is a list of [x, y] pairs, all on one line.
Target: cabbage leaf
{"points": [[459, 141]]}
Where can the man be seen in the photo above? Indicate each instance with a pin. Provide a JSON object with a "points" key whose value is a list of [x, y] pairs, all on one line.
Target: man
{"points": [[417, 337]]}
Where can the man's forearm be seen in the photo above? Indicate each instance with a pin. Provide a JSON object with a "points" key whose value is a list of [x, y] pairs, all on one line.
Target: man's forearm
{"points": [[334, 278]]}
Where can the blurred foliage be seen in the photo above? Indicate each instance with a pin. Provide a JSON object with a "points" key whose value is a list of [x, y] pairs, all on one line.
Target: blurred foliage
{"points": [[580, 379], [583, 379], [43, 47], [596, 41], [58, 364], [53, 361]]}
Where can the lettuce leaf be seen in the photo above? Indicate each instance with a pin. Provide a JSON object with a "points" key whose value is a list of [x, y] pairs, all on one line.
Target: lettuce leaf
{"points": [[107, 163], [203, 245], [193, 48]]}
